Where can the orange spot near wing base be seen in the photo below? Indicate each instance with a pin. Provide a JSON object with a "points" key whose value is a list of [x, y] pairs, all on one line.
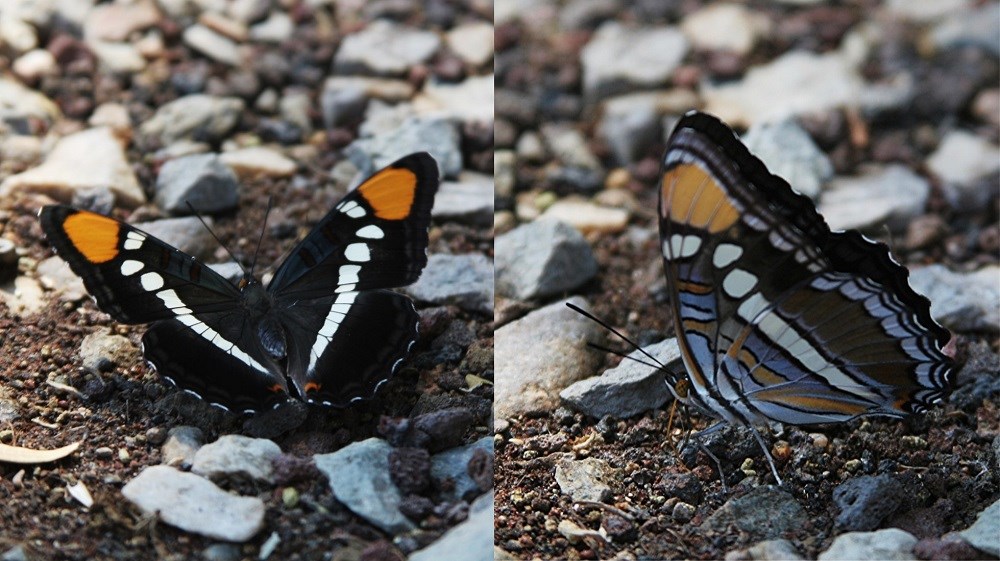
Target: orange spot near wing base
{"points": [[93, 235], [312, 387], [390, 193]]}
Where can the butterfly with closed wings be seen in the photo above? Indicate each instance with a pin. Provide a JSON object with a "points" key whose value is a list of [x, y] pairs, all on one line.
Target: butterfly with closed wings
{"points": [[326, 330]]}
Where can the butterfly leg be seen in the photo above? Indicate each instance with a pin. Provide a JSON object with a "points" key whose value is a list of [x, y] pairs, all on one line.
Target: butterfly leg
{"points": [[767, 454]]}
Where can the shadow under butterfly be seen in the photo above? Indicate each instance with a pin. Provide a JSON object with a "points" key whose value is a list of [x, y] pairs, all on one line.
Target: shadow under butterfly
{"points": [[778, 318]]}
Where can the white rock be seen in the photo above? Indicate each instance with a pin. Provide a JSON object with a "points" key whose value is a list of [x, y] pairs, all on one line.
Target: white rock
{"points": [[471, 540], [212, 44], [257, 161], [16, 34], [587, 216], [194, 504], [963, 157], [725, 27], [619, 57], [961, 301], [118, 57], [893, 196], [472, 42], [385, 48], [88, 159], [20, 102], [235, 454], [926, 11], [891, 544], [276, 28], [470, 100], [35, 64], [23, 297], [795, 83], [386, 89]]}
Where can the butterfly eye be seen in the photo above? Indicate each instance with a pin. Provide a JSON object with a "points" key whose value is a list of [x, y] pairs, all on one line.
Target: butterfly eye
{"points": [[681, 389]]}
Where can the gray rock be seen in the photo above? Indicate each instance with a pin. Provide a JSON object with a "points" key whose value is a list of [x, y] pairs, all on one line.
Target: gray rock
{"points": [[764, 513], [627, 389], [629, 132], [16, 553], [789, 152], [194, 117], [194, 504], [453, 465], [201, 180], [100, 351], [589, 479], [984, 532], [542, 258], [463, 280], [342, 105], [540, 354], [187, 234], [978, 26], [961, 301], [620, 58], [468, 200], [437, 136], [866, 501], [222, 552], [384, 89], [181, 445], [892, 196], [234, 454], [359, 477], [471, 540], [384, 48], [891, 544]]}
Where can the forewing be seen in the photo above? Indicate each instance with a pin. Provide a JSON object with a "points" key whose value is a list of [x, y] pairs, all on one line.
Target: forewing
{"points": [[134, 277], [375, 237]]}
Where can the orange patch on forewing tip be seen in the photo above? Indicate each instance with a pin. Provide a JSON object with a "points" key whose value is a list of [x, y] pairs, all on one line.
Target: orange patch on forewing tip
{"points": [[390, 193], [93, 235]]}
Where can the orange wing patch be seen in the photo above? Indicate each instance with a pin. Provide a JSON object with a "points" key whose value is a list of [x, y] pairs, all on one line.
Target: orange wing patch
{"points": [[93, 235], [697, 200], [390, 193], [312, 387]]}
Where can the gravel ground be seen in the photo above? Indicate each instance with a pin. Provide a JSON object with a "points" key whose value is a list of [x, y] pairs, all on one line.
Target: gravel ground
{"points": [[129, 108], [886, 114]]}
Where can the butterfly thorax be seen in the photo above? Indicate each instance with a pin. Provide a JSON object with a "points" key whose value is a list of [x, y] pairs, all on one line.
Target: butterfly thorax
{"points": [[259, 305]]}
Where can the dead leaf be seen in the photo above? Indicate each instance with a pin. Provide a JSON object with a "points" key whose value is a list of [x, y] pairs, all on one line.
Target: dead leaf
{"points": [[18, 455]]}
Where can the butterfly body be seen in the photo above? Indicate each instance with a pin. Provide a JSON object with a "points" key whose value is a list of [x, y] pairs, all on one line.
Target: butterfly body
{"points": [[325, 330], [779, 318]]}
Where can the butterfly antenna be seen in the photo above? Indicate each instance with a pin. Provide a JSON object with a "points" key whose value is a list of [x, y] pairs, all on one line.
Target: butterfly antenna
{"points": [[600, 322], [210, 231], [260, 240]]}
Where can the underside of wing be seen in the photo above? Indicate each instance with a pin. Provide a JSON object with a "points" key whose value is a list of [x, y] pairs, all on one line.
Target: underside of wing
{"points": [[376, 236], [781, 318], [344, 347], [134, 277]]}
